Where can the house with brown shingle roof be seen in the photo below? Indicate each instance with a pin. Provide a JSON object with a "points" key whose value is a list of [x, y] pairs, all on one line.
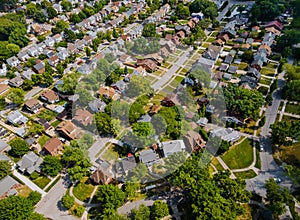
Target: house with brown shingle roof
{"points": [[49, 96], [3, 88], [32, 105], [53, 147], [68, 130], [103, 174], [83, 117], [148, 64], [108, 92]]}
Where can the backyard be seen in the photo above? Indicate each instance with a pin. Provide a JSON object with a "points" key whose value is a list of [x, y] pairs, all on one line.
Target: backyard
{"points": [[239, 156], [41, 181], [83, 190]]}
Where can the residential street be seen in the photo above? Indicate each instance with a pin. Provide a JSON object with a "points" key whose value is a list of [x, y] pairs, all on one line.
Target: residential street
{"points": [[49, 204], [168, 75], [96, 147], [269, 168]]}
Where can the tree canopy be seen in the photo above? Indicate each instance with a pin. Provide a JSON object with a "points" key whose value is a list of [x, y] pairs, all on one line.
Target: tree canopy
{"points": [[51, 165], [110, 196], [5, 169], [19, 147], [159, 209]]}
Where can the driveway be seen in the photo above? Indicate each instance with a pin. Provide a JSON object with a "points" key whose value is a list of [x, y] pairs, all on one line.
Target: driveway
{"points": [[32, 93], [96, 147], [50, 206]]}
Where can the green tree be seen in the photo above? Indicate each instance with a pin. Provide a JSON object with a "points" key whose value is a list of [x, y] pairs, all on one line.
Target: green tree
{"points": [[2, 103], [34, 197], [75, 18], [247, 55], [149, 30], [19, 147], [110, 196], [104, 123], [5, 169], [36, 216], [88, 51], [67, 201], [291, 90], [31, 9], [69, 35], [6, 5], [131, 189], [15, 208], [142, 129], [39, 17], [51, 165], [182, 12], [138, 86], [142, 213], [35, 128], [159, 209], [52, 13], [67, 6], [79, 210]]}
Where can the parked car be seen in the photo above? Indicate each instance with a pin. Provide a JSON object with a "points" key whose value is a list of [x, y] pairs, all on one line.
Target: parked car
{"points": [[277, 179], [261, 148]]}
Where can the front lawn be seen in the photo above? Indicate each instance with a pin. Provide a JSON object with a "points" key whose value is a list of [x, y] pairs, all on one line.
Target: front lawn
{"points": [[265, 81], [263, 90], [110, 154], [24, 191], [239, 156], [83, 190], [249, 174], [43, 139], [55, 123], [267, 71], [291, 108], [217, 165], [42, 181]]}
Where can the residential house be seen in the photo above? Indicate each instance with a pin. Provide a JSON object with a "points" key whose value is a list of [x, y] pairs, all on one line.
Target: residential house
{"points": [[16, 82], [87, 40], [128, 163], [68, 130], [180, 34], [49, 42], [212, 52], [218, 42], [276, 24], [33, 51], [72, 49], [139, 71], [265, 49], [148, 157], [273, 31], [257, 64], [246, 47], [148, 64], [120, 86], [32, 105], [164, 52], [84, 69], [23, 56], [223, 68], [248, 82], [103, 174], [27, 74], [232, 69], [63, 54], [49, 96], [193, 141], [228, 59], [83, 117], [53, 147], [226, 134], [79, 45], [268, 39], [13, 61], [191, 24], [39, 67], [57, 38], [30, 163], [37, 29], [205, 64], [224, 37], [3, 70], [53, 61], [8, 187], [108, 92], [97, 105], [145, 118], [4, 147], [171, 147], [124, 58], [253, 72], [16, 118]]}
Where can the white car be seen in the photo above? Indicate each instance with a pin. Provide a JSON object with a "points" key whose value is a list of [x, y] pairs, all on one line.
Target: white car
{"points": [[261, 148], [277, 179]]}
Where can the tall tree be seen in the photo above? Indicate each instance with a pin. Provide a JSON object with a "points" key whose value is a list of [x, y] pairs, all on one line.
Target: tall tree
{"points": [[51, 165], [110, 196], [19, 147], [5, 169], [159, 210], [15, 208]]}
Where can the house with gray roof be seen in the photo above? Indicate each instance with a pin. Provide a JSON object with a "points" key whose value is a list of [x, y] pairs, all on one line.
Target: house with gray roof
{"points": [[16, 82], [3, 145], [97, 105], [23, 56], [8, 186], [16, 118], [171, 147], [144, 118], [33, 51], [148, 157], [4, 157], [13, 61], [226, 134], [30, 163]]}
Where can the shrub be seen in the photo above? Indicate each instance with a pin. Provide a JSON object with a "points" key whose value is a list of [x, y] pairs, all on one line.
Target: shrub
{"points": [[67, 201]]}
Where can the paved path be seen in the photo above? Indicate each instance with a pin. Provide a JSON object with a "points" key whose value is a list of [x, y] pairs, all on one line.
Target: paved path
{"points": [[291, 115], [32, 93], [28, 183], [224, 165], [282, 110], [96, 147], [8, 127]]}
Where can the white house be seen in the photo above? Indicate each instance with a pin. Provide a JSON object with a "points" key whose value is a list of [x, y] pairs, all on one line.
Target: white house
{"points": [[49, 42], [13, 61]]}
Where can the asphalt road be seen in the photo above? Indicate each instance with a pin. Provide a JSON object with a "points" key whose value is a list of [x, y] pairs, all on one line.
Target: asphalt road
{"points": [[230, 4], [49, 205], [269, 168]]}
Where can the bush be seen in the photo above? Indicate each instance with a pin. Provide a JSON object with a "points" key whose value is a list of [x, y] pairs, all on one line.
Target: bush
{"points": [[262, 121], [34, 176], [78, 211], [67, 201], [34, 197]]}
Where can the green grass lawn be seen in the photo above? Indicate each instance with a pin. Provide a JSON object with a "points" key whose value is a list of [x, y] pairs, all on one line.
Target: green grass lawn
{"points": [[42, 181], [179, 79], [258, 162], [294, 109], [242, 66], [239, 156], [263, 90], [110, 154], [55, 123], [216, 163], [265, 81], [249, 174], [43, 139], [174, 83], [211, 39], [205, 45], [214, 34], [267, 71], [83, 190]]}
